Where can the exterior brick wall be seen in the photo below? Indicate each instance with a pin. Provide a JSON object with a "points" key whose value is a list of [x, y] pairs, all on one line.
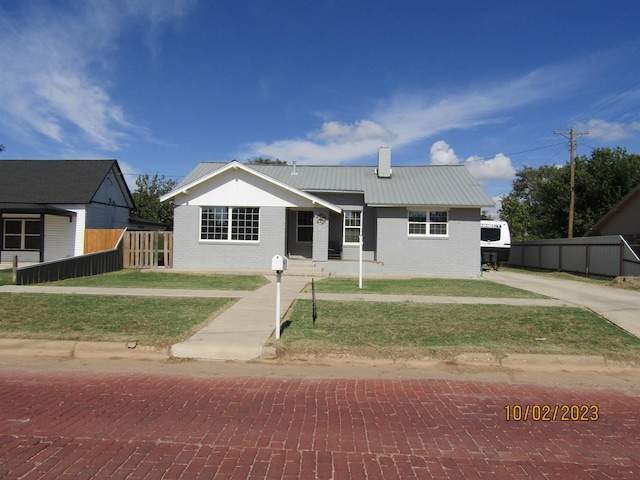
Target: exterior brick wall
{"points": [[193, 254], [458, 255]]}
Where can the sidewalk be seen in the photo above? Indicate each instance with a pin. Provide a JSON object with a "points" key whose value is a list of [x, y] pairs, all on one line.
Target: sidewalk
{"points": [[240, 332]]}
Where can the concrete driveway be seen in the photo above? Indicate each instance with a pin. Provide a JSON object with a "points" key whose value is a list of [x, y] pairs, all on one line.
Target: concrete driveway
{"points": [[617, 305]]}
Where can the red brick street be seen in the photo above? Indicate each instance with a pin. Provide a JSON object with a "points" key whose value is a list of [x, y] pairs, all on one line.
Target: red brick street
{"points": [[135, 426]]}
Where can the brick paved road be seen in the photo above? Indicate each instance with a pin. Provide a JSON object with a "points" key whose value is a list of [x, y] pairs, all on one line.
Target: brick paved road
{"points": [[82, 425]]}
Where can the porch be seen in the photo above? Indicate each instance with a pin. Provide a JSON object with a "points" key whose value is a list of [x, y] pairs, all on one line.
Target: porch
{"points": [[324, 236]]}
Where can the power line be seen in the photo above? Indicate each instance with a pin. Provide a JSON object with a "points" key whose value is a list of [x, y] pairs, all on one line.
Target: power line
{"points": [[533, 149], [602, 105]]}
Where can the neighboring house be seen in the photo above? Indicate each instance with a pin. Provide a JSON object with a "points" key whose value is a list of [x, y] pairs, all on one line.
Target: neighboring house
{"points": [[623, 219], [46, 205], [420, 220]]}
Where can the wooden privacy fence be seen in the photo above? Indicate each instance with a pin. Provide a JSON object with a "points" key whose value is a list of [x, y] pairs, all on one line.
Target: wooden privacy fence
{"points": [[606, 256], [148, 249], [96, 240]]}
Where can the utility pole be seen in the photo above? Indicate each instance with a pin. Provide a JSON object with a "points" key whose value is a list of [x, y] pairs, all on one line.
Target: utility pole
{"points": [[571, 135]]}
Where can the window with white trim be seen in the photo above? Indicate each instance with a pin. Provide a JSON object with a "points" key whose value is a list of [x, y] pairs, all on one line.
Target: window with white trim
{"points": [[240, 224], [21, 234], [428, 223], [352, 226], [305, 227]]}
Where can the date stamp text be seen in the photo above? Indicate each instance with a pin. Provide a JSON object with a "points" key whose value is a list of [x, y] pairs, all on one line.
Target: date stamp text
{"points": [[550, 413]]}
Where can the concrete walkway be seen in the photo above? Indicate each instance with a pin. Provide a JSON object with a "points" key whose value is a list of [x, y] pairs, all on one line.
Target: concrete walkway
{"points": [[240, 332], [619, 306]]}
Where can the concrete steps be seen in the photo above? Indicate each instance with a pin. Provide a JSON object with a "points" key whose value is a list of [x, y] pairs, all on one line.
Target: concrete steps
{"points": [[305, 268]]}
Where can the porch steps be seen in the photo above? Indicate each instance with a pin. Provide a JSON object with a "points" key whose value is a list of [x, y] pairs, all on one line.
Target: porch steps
{"points": [[305, 268]]}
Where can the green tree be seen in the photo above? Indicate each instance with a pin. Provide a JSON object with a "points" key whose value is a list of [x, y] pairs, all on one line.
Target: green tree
{"points": [[147, 198], [543, 193], [516, 213], [266, 161]]}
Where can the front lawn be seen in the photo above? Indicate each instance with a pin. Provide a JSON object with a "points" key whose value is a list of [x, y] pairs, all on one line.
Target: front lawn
{"points": [[422, 286], [410, 330], [147, 320], [6, 277], [153, 279]]}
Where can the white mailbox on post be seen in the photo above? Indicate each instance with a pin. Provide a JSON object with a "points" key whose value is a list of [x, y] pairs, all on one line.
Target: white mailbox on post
{"points": [[279, 263]]}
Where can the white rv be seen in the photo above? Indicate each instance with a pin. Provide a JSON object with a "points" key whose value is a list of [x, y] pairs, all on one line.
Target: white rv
{"points": [[495, 242]]}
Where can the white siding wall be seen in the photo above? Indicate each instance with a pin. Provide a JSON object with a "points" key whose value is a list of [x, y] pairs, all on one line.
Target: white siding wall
{"points": [[458, 255], [78, 226], [191, 253], [237, 188], [60, 237]]}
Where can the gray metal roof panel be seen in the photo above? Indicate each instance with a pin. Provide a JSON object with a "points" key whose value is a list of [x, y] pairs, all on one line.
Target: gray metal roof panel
{"points": [[445, 185]]}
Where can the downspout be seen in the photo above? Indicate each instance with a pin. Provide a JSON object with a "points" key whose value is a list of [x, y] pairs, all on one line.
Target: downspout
{"points": [[41, 237], [1, 235]]}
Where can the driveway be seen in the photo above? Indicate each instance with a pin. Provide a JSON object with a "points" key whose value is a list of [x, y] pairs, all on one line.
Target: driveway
{"points": [[619, 306]]}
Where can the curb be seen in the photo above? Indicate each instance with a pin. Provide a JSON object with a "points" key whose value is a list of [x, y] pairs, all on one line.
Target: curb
{"points": [[74, 349], [547, 363]]}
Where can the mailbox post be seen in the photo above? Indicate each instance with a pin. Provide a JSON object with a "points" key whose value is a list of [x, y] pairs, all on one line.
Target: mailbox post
{"points": [[278, 264]]}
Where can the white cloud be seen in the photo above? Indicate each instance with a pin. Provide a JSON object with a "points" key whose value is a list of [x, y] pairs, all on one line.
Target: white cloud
{"points": [[483, 170], [496, 168], [55, 69], [407, 118], [443, 154], [362, 130], [604, 130]]}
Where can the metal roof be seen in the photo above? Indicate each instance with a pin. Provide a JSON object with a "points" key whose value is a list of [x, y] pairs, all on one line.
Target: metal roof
{"points": [[432, 185]]}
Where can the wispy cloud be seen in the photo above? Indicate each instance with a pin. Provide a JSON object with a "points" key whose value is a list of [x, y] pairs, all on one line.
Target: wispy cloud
{"points": [[609, 131], [55, 70], [405, 118]]}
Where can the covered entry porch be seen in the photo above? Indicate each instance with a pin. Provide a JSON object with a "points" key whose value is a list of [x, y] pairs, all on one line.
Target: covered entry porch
{"points": [[322, 235]]}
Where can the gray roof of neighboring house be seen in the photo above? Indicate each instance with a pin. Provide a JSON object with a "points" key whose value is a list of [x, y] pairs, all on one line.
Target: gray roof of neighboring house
{"points": [[51, 182], [445, 185]]}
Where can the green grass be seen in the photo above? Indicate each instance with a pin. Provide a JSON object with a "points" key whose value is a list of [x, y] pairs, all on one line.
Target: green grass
{"points": [[554, 274], [422, 286], [408, 330], [147, 279], [6, 277], [150, 321]]}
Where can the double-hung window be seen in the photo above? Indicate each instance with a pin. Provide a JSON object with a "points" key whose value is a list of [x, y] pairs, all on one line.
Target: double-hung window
{"points": [[424, 223], [240, 224], [352, 226], [21, 234]]}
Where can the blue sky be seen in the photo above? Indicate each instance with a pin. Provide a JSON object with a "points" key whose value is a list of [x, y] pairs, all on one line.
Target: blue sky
{"points": [[163, 85]]}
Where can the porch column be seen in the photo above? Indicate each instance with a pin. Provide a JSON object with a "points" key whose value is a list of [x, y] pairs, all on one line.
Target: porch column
{"points": [[320, 250]]}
